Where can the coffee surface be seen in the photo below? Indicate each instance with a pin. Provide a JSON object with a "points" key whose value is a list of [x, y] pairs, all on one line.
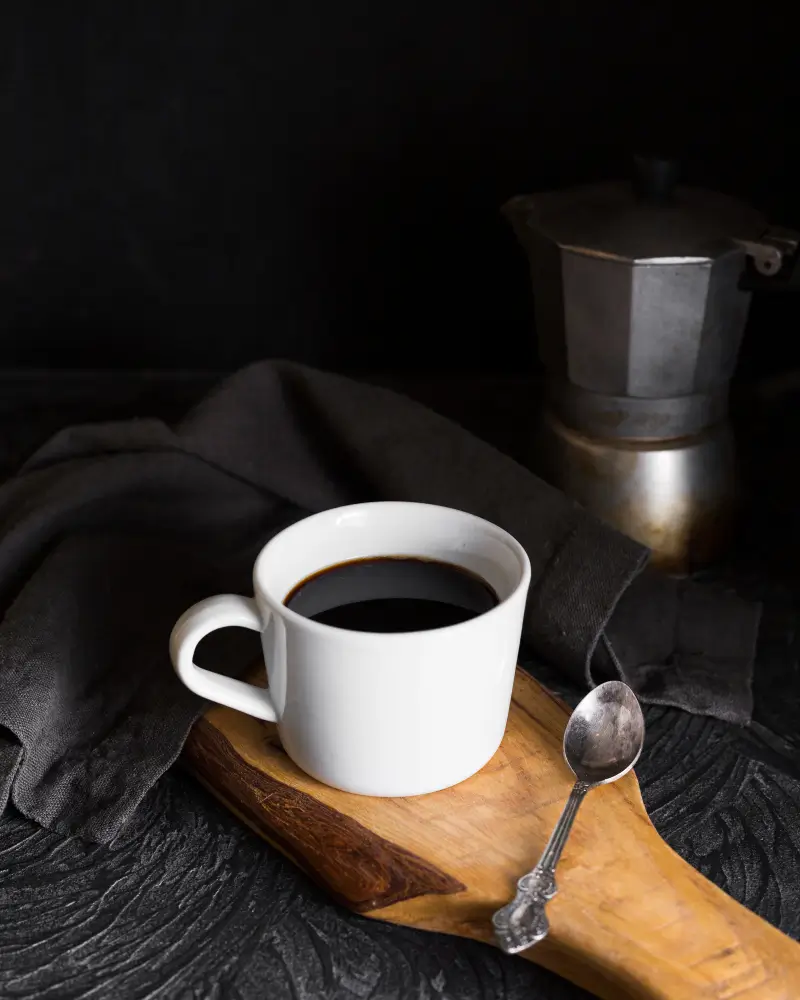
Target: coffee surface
{"points": [[392, 594]]}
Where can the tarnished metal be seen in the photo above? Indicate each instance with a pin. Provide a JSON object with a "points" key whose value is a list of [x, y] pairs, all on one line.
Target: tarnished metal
{"points": [[640, 314], [630, 417], [602, 742], [677, 495]]}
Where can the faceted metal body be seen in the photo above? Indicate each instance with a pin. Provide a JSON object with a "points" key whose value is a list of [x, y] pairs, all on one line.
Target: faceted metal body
{"points": [[639, 318]]}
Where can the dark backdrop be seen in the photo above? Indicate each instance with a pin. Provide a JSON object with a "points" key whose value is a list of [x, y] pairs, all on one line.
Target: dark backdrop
{"points": [[198, 184]]}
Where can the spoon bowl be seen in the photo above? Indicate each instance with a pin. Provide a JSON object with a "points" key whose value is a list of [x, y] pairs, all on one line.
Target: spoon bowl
{"points": [[605, 734]]}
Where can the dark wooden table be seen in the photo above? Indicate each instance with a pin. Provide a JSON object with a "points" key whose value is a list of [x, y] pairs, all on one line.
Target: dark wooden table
{"points": [[187, 903]]}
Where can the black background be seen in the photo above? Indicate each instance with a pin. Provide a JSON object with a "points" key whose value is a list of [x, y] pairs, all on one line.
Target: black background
{"points": [[198, 184]]}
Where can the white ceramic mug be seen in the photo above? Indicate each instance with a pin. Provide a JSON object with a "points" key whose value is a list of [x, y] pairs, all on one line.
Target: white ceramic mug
{"points": [[374, 713]]}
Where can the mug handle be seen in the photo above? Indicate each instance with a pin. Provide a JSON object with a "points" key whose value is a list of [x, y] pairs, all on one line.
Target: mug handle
{"points": [[196, 623]]}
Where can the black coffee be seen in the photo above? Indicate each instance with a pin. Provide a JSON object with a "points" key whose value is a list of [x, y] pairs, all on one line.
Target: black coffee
{"points": [[391, 594]]}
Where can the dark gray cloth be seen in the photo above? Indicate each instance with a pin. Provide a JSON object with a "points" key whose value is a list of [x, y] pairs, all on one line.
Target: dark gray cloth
{"points": [[110, 531]]}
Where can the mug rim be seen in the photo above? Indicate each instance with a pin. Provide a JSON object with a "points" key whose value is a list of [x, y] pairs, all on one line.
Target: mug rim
{"points": [[321, 628]]}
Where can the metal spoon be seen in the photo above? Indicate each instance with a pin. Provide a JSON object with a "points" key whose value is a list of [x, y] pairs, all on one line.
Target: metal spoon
{"points": [[602, 742]]}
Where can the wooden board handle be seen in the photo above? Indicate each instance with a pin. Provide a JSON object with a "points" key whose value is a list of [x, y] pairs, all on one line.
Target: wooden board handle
{"points": [[664, 932]]}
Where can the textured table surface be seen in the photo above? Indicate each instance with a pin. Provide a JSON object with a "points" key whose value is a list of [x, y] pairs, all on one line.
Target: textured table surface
{"points": [[187, 903]]}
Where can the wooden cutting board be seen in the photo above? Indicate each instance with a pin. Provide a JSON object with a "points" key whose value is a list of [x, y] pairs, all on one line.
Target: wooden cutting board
{"points": [[631, 918]]}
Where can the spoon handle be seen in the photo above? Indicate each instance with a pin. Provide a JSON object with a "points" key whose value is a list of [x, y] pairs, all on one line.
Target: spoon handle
{"points": [[522, 922]]}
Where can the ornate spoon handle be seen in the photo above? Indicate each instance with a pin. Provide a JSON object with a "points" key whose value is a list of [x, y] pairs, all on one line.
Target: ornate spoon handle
{"points": [[522, 922]]}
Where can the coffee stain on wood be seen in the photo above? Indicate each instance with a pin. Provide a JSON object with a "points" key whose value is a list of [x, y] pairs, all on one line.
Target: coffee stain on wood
{"points": [[631, 920]]}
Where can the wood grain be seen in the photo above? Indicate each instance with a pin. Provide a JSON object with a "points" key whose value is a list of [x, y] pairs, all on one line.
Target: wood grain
{"points": [[631, 918], [359, 869]]}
